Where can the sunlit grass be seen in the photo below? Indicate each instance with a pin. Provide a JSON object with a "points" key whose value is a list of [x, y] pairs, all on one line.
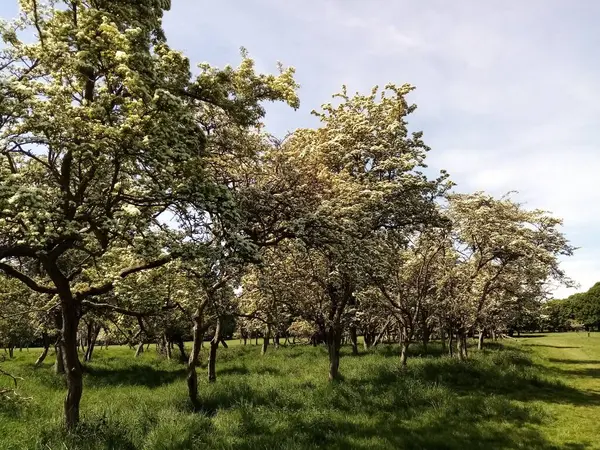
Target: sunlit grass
{"points": [[526, 396]]}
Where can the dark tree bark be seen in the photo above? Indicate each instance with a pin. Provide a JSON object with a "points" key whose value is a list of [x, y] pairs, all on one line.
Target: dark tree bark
{"points": [[461, 344], [443, 339], [182, 355], [92, 336], [334, 341], [426, 335], [11, 352], [354, 340], [212, 358], [46, 343], [266, 339], [366, 340], [140, 349], [72, 365], [59, 365], [192, 376]]}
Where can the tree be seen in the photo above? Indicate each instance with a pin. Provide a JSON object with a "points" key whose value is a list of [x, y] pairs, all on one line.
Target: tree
{"points": [[362, 165], [499, 252], [404, 274], [100, 138], [586, 307]]}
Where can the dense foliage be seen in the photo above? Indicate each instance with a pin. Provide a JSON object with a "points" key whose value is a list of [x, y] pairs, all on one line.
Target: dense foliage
{"points": [[581, 310]]}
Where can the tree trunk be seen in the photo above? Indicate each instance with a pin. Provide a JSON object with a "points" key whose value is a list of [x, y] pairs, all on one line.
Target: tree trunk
{"points": [[191, 375], [403, 353], [182, 356], [44, 353], [354, 340], [443, 339], [212, 358], [59, 365], [11, 351], [404, 343], [140, 349], [92, 342], [266, 340], [450, 343], [461, 345], [276, 341], [480, 340], [168, 349], [72, 365], [426, 335], [334, 341]]}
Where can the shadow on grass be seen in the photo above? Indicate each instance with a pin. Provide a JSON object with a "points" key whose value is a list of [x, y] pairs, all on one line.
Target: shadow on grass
{"points": [[135, 375], [530, 336], [464, 427], [548, 346], [574, 361], [434, 403], [586, 372]]}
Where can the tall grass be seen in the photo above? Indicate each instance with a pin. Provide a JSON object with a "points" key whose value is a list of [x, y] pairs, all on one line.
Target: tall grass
{"points": [[283, 400]]}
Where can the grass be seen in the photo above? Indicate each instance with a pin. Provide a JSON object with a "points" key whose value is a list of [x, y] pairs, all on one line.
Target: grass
{"points": [[538, 392]]}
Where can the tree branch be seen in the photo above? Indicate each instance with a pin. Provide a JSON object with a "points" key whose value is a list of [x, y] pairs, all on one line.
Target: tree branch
{"points": [[125, 311], [29, 282], [107, 287]]}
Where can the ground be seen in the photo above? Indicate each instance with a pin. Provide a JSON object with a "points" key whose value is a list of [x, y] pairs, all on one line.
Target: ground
{"points": [[535, 392]]}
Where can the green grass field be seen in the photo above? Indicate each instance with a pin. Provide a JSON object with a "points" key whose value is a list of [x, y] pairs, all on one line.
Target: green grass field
{"points": [[538, 392]]}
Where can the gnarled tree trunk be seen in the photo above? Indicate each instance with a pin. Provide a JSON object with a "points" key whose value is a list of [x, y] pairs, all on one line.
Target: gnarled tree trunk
{"points": [[59, 364], [140, 349], [72, 366], [192, 376], [46, 343], [404, 344], [354, 340], [334, 342], [212, 358], [266, 340], [181, 346], [461, 344], [92, 337]]}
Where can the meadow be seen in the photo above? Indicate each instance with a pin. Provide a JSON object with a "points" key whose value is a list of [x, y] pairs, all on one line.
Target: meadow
{"points": [[534, 392]]}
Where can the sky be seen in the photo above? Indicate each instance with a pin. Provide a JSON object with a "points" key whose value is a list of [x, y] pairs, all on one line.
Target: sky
{"points": [[508, 92]]}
